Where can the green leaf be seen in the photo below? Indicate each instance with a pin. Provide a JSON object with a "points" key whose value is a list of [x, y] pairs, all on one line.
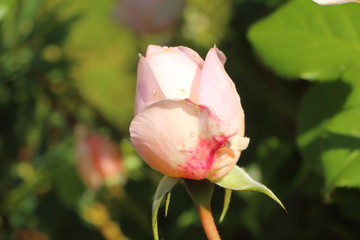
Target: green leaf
{"points": [[101, 83], [303, 39], [227, 197], [164, 187], [329, 132], [239, 180]]}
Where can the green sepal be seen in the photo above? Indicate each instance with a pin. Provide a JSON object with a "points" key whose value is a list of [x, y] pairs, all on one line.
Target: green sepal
{"points": [[167, 203], [227, 197], [238, 179], [200, 191], [164, 187]]}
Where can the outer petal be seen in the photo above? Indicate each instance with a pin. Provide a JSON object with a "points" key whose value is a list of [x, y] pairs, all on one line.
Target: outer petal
{"points": [[177, 138], [192, 55], [200, 62], [227, 156], [174, 70], [328, 2], [218, 92], [220, 55], [147, 88]]}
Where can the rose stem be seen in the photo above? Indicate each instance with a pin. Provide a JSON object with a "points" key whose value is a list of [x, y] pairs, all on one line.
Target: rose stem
{"points": [[201, 193], [207, 222]]}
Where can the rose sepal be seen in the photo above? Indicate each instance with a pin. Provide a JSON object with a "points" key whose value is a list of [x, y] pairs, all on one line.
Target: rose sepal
{"points": [[237, 179], [164, 188], [227, 197]]}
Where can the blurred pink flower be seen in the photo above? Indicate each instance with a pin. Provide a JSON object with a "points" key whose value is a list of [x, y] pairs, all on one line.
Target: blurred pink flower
{"points": [[98, 159], [149, 16], [188, 122], [328, 2]]}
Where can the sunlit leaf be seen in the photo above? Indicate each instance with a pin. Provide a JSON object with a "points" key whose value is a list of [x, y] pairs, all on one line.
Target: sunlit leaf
{"points": [[330, 132], [303, 39], [239, 180]]}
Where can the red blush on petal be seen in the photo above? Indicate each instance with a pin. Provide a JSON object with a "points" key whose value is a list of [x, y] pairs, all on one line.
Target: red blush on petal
{"points": [[201, 158]]}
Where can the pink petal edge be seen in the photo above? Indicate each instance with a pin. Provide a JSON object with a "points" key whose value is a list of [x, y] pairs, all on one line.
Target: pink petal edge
{"points": [[218, 92], [147, 88], [192, 55]]}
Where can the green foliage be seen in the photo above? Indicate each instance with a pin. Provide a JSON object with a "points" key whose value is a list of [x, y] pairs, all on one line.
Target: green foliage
{"points": [[69, 62], [106, 55], [330, 133], [204, 21], [239, 180], [322, 43], [304, 40]]}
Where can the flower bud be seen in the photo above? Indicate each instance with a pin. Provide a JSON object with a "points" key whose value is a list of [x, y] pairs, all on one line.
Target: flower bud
{"points": [[188, 122], [149, 16], [98, 160]]}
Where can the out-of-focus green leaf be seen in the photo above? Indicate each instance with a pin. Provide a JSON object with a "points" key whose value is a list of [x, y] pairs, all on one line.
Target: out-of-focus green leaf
{"points": [[68, 186], [303, 39], [107, 56], [205, 21], [330, 132]]}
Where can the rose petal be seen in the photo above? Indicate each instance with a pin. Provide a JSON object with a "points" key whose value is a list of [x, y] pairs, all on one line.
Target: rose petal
{"points": [[192, 55], [220, 55], [153, 49], [147, 88], [173, 137], [218, 92], [227, 156], [174, 70]]}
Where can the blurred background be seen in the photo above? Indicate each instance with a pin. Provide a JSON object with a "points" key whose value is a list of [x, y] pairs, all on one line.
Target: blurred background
{"points": [[67, 84]]}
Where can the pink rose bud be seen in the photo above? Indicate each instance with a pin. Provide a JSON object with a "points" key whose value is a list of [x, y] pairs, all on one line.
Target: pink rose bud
{"points": [[97, 158], [188, 122], [149, 16]]}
